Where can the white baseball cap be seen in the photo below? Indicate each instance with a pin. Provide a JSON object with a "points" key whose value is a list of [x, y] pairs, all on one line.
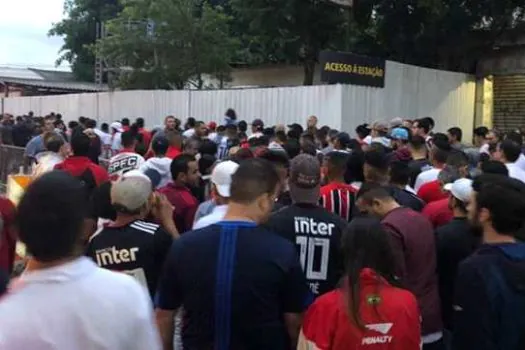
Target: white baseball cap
{"points": [[117, 126], [221, 177], [460, 189]]}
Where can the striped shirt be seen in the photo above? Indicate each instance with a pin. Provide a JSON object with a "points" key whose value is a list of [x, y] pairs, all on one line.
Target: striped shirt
{"points": [[339, 198]]}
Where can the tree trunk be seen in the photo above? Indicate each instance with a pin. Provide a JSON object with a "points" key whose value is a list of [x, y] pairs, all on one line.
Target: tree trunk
{"points": [[309, 70]]}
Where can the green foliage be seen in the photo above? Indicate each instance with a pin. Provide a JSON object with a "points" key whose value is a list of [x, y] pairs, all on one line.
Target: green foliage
{"points": [[189, 40], [291, 31], [78, 29]]}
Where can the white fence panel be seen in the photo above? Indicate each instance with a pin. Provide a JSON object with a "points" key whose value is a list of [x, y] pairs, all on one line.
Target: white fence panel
{"points": [[272, 105], [409, 91], [413, 92]]}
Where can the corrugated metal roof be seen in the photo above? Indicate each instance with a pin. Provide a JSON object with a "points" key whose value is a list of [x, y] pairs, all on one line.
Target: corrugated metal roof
{"points": [[56, 85], [19, 73]]}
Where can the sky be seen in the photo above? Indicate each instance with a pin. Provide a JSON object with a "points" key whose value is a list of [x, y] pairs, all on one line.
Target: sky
{"points": [[23, 33]]}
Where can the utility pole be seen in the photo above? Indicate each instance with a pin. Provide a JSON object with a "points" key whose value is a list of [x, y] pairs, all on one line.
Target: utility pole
{"points": [[99, 64]]}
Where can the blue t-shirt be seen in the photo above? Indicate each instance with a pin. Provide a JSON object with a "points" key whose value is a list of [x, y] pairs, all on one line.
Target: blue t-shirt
{"points": [[35, 146], [235, 281]]}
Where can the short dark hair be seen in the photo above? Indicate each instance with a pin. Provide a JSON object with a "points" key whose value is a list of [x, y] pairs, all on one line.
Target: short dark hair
{"points": [[72, 124], [511, 150], [308, 147], [362, 131], [417, 142], [208, 147], [104, 127], [494, 167], [370, 191], [230, 113], [439, 155], [430, 121], [354, 170], [54, 143], [481, 131], [91, 123], [441, 141], [337, 161], [140, 122], [492, 191], [457, 159], [127, 139], [281, 136], [292, 148], [377, 158], [399, 173], [515, 137], [50, 224], [125, 122], [158, 147], [243, 125], [180, 165], [456, 133], [279, 158], [80, 144], [253, 178], [308, 137], [424, 124]]}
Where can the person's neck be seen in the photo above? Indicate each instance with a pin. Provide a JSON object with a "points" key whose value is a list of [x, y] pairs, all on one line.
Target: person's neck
{"points": [[221, 200], [490, 236], [123, 220], [180, 183], [240, 212], [458, 213], [391, 205], [36, 265], [438, 165], [418, 156], [338, 179]]}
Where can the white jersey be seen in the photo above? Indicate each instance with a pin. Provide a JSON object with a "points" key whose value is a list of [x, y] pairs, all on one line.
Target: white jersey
{"points": [[100, 310]]}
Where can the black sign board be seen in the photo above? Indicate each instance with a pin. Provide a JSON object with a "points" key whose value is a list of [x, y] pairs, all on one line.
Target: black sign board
{"points": [[347, 68]]}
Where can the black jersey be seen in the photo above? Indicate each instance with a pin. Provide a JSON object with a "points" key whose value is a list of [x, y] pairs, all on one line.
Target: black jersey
{"points": [[137, 249], [317, 235]]}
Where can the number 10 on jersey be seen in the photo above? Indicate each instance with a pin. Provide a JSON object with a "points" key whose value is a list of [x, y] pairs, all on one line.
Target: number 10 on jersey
{"points": [[314, 256]]}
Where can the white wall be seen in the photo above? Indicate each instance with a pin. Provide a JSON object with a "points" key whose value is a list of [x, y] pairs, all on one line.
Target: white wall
{"points": [[412, 92], [409, 92]]}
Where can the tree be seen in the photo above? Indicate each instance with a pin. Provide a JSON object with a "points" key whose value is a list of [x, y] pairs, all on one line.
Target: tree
{"points": [[288, 31], [168, 43], [445, 34], [79, 29]]}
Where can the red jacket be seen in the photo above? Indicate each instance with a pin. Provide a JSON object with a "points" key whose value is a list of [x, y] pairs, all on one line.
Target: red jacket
{"points": [[390, 317], [7, 235], [76, 166]]}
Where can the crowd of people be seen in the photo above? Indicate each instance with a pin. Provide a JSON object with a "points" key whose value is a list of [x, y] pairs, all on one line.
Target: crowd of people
{"points": [[236, 235]]}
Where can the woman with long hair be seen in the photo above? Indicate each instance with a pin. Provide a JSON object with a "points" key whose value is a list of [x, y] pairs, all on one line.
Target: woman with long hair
{"points": [[368, 310]]}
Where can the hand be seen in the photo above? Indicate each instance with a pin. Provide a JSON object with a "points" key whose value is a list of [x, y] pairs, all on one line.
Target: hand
{"points": [[162, 209]]}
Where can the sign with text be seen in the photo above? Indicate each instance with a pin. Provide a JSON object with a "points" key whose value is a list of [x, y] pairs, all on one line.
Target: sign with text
{"points": [[347, 68]]}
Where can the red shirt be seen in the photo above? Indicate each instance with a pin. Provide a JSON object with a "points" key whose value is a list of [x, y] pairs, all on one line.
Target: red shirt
{"points": [[438, 213], [414, 245], [185, 205], [431, 192], [146, 136], [390, 317], [7, 235], [76, 166], [339, 198], [173, 152]]}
